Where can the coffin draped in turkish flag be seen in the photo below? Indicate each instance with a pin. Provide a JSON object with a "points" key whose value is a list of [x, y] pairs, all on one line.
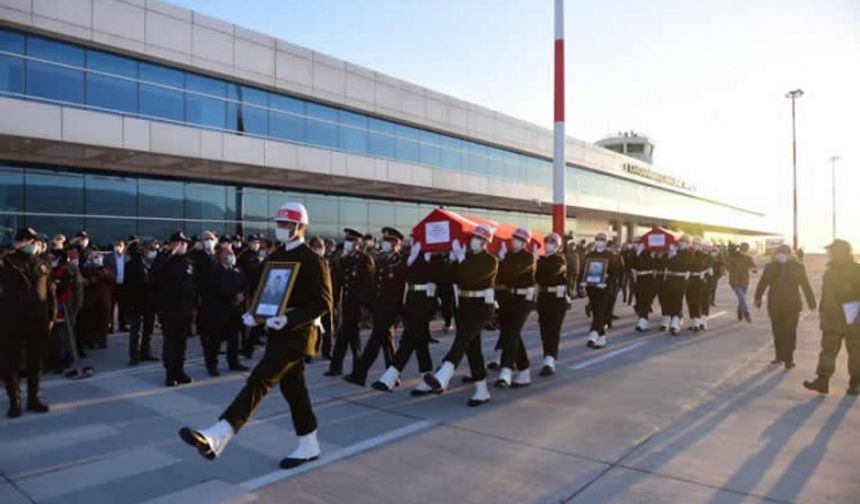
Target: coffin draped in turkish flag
{"points": [[436, 231], [659, 239]]}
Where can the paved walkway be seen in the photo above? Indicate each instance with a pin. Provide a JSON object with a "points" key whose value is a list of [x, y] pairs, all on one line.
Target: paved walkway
{"points": [[701, 418]]}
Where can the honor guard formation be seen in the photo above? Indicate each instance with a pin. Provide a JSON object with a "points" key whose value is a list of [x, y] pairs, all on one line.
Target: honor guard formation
{"points": [[299, 296]]}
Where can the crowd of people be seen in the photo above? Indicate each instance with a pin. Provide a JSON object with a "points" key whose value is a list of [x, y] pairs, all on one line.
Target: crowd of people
{"points": [[60, 297]]}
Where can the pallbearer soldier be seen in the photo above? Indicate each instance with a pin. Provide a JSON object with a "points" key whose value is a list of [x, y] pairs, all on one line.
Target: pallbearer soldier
{"points": [[719, 269], [474, 274], [599, 293], [355, 274], [291, 337], [706, 269], [676, 274], [645, 267], [515, 293], [424, 270], [552, 301], [696, 285], [388, 281]]}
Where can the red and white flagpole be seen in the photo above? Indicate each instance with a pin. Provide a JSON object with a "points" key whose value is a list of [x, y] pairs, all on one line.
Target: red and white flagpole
{"points": [[559, 212]]}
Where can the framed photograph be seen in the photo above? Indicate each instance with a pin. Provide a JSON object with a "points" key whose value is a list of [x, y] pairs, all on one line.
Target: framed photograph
{"points": [[596, 270], [274, 289]]}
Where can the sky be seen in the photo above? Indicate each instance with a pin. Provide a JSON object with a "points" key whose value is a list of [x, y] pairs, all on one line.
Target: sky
{"points": [[706, 80]]}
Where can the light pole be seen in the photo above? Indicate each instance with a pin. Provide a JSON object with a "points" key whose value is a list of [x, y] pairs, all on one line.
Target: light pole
{"points": [[833, 160], [559, 210], [793, 95]]}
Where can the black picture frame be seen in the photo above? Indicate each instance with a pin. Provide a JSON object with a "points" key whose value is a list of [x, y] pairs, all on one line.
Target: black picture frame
{"points": [[596, 270], [273, 292]]}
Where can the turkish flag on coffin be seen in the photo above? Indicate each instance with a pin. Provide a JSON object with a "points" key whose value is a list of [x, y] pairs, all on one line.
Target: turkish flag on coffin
{"points": [[440, 227], [659, 239]]}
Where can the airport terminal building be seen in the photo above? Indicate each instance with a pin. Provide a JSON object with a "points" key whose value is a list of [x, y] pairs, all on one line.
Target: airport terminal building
{"points": [[136, 116]]}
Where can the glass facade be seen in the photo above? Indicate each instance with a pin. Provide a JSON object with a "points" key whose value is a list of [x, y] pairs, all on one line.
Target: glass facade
{"points": [[110, 206]]}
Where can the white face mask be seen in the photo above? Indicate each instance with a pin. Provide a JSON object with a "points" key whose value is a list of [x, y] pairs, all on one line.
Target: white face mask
{"points": [[517, 245], [262, 254], [319, 251], [231, 260], [150, 254], [683, 246], [600, 245], [209, 245], [551, 248], [84, 243], [283, 235], [476, 244], [118, 250], [254, 246], [98, 261], [387, 247], [348, 246], [182, 248], [781, 258]]}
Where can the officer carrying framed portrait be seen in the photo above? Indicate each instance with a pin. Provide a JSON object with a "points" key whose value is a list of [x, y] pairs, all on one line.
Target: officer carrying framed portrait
{"points": [[596, 269], [273, 291]]}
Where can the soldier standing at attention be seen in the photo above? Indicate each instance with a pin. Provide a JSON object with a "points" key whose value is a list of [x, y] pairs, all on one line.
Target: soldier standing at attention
{"points": [[553, 299], [515, 293], [176, 293], [292, 337], [599, 293], [28, 307], [474, 274], [355, 274], [389, 280]]}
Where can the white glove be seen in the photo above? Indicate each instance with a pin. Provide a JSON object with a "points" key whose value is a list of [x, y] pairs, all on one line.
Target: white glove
{"points": [[601, 286], [560, 291], [503, 251], [248, 320], [427, 256], [583, 284], [458, 251], [530, 294], [413, 253], [276, 323], [536, 251], [490, 296], [431, 290]]}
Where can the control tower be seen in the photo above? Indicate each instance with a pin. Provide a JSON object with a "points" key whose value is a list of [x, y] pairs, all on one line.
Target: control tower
{"points": [[631, 144]]}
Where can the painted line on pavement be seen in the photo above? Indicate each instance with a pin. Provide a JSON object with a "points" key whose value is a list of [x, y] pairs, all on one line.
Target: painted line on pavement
{"points": [[614, 353], [342, 453]]}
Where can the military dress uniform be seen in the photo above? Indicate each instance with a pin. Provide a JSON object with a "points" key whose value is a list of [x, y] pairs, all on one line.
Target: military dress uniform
{"points": [[645, 269], [675, 275], [515, 291], [28, 308], [176, 286], [355, 279], [600, 296], [701, 269], [250, 264], [388, 283], [552, 304]]}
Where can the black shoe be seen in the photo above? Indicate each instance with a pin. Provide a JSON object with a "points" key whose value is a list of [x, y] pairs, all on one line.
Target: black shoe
{"points": [[740, 317], [492, 366], [238, 367], [149, 358], [790, 365], [433, 340], [433, 382], [213, 371], [546, 371], [776, 361], [193, 438], [380, 387], [820, 385], [14, 410], [37, 406], [170, 383], [474, 403], [184, 379], [590, 344], [333, 372], [354, 379], [292, 463], [469, 379], [419, 393]]}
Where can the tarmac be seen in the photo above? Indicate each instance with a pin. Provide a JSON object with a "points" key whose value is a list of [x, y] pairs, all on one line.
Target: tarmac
{"points": [[698, 418]]}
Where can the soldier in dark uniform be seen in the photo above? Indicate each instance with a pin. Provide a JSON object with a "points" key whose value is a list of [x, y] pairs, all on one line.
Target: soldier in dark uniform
{"points": [[389, 280], [572, 259], [677, 271], [355, 274], [600, 292], [424, 269], [292, 337], [223, 302], [445, 293], [28, 309], [552, 276], [701, 269], [645, 269], [475, 275], [250, 264], [515, 293], [782, 279], [176, 288], [719, 270]]}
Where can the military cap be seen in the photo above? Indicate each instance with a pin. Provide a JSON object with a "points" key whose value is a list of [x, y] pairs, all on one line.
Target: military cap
{"points": [[352, 234], [179, 236], [26, 233], [389, 233]]}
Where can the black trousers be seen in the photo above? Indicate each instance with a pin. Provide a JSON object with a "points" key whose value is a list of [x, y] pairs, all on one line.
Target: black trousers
{"points": [[646, 289], [348, 335], [277, 366], [325, 339], [215, 334], [613, 298], [695, 295], [446, 302], [551, 311], [175, 328], [382, 337], [672, 296], [472, 314], [141, 326], [713, 283], [12, 355], [599, 299], [417, 314], [513, 312], [783, 323]]}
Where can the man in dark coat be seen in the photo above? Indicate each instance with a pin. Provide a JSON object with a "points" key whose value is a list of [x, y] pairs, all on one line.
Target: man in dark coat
{"points": [[141, 303], [223, 302], [782, 279]]}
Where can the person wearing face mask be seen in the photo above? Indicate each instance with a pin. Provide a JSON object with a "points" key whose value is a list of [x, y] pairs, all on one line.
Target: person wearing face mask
{"points": [[782, 279], [250, 262], [117, 262], [141, 303], [292, 337], [176, 281], [552, 301], [840, 289], [97, 313], [82, 241], [389, 280], [474, 273], [354, 278], [701, 269], [221, 308], [644, 271], [599, 294], [515, 293], [28, 309], [677, 265]]}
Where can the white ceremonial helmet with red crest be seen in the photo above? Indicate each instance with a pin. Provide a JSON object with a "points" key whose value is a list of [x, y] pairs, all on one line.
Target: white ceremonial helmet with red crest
{"points": [[292, 212]]}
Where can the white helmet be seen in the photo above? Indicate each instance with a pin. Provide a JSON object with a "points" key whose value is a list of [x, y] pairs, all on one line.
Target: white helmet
{"points": [[484, 231], [292, 212]]}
